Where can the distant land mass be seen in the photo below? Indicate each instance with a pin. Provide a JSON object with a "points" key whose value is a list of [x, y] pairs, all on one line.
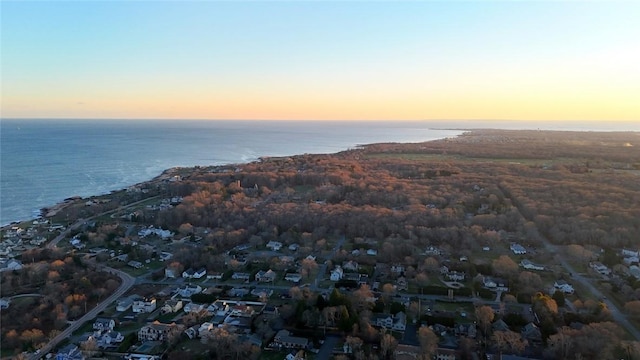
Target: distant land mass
{"points": [[495, 241]]}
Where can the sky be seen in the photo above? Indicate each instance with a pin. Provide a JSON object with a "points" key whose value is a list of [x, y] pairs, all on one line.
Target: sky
{"points": [[329, 60]]}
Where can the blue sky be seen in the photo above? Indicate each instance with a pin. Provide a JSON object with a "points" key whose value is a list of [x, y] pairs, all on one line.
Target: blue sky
{"points": [[321, 60]]}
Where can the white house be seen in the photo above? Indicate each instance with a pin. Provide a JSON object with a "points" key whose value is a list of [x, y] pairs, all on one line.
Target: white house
{"points": [[266, 276], [455, 276], [193, 307], [171, 306], [372, 252], [600, 268], [630, 253], [215, 276], [527, 264], [274, 245], [518, 249], [395, 322], [205, 328], [144, 306], [563, 286], [293, 277], [112, 337], [336, 274], [124, 304], [103, 324], [194, 274]]}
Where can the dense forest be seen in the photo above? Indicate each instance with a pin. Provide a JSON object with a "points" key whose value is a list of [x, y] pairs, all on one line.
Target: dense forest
{"points": [[571, 187]]}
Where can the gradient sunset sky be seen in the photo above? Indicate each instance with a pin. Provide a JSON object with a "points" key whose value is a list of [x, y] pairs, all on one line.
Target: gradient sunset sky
{"points": [[348, 60]]}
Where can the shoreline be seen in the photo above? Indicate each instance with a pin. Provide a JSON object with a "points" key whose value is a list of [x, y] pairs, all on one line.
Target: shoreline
{"points": [[51, 210]]}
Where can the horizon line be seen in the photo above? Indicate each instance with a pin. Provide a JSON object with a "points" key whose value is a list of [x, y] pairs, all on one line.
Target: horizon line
{"points": [[317, 120]]}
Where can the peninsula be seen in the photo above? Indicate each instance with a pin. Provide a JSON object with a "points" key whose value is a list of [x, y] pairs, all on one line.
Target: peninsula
{"points": [[494, 242]]}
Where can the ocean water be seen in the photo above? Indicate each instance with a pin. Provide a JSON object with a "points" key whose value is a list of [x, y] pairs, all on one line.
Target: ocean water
{"points": [[42, 162]]}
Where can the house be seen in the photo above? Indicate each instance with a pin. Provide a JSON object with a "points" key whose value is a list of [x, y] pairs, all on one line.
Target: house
{"points": [[447, 354], [294, 247], [284, 339], [432, 250], [500, 325], [600, 268], [372, 252], [104, 324], [630, 253], [634, 270], [518, 249], [531, 333], [215, 276], [157, 331], [164, 256], [205, 328], [76, 243], [135, 264], [350, 265], [397, 269], [240, 276], [563, 286], [455, 276], [170, 273], [293, 277], [336, 274], [274, 245], [11, 265], [4, 303], [188, 274], [144, 306], [198, 274], [631, 260], [399, 321], [70, 352], [266, 276], [527, 264], [111, 337], [266, 293], [171, 306], [401, 283], [495, 284], [395, 322], [186, 291]]}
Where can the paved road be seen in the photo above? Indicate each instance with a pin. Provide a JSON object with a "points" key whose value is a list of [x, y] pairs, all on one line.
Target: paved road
{"points": [[127, 283], [53, 243], [618, 316]]}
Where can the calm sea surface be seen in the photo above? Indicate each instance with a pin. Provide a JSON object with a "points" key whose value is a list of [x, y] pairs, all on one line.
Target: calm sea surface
{"points": [[43, 162]]}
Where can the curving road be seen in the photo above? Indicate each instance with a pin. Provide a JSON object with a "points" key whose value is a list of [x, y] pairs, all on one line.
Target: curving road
{"points": [[127, 283]]}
